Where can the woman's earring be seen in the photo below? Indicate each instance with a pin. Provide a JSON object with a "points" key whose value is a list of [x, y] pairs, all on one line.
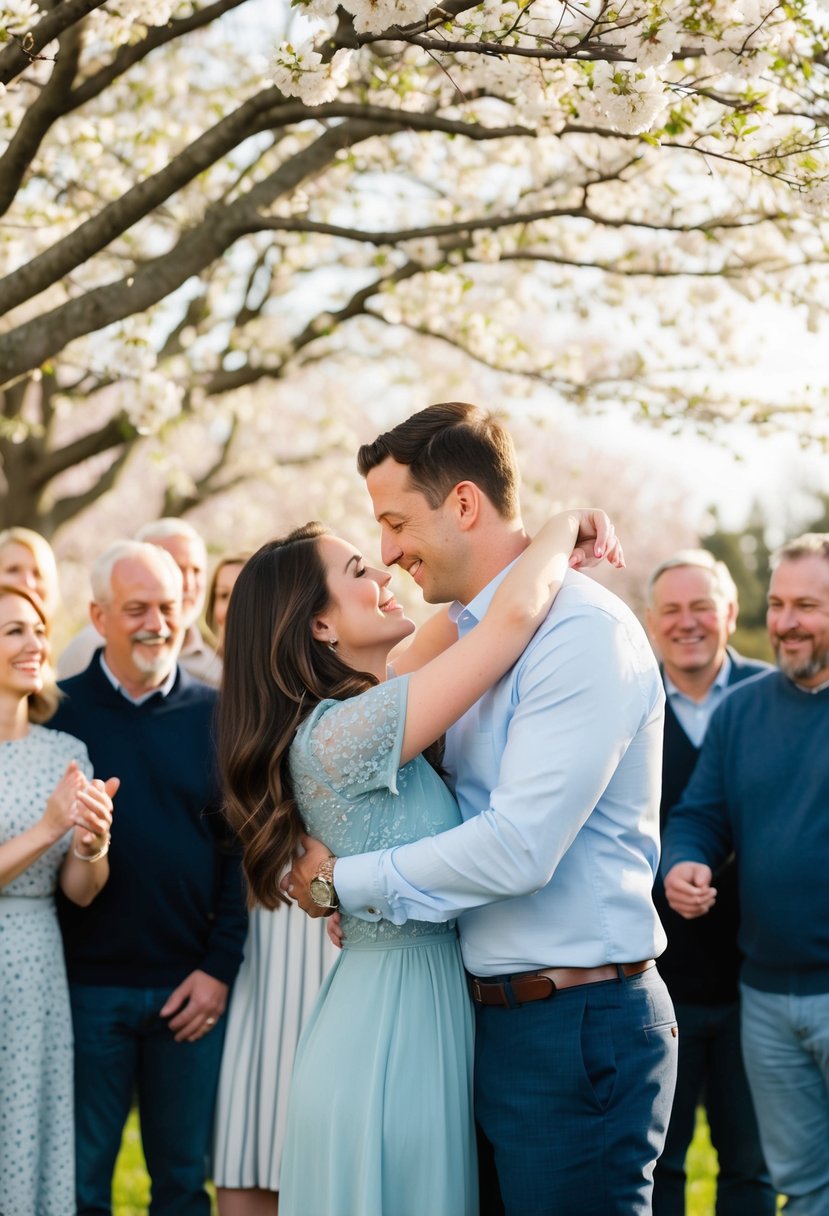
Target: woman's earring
{"points": [[332, 645]]}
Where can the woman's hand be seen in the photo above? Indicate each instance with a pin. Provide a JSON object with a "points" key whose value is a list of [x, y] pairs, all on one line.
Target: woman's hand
{"points": [[93, 814], [334, 929], [62, 805], [596, 525]]}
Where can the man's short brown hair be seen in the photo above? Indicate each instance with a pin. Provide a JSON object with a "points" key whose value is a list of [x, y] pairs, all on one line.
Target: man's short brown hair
{"points": [[448, 443]]}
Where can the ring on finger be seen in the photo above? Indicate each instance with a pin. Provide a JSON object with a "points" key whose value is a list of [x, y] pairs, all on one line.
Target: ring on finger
{"points": [[210, 1021]]}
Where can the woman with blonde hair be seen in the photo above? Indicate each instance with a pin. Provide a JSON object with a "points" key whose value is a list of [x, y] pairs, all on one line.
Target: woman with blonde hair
{"points": [[225, 575], [54, 831], [27, 560]]}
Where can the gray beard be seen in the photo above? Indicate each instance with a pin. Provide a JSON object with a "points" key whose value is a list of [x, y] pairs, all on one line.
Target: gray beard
{"points": [[160, 664], [803, 671], [153, 667]]}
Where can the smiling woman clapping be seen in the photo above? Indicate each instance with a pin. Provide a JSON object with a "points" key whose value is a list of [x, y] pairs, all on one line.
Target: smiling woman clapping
{"points": [[54, 829]]}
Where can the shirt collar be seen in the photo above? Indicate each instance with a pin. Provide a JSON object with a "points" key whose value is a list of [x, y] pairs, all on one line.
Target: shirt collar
{"points": [[718, 684], [477, 608], [810, 691], [162, 690]]}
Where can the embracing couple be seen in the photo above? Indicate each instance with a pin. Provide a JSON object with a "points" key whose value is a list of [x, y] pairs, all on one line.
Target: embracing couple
{"points": [[534, 833]]}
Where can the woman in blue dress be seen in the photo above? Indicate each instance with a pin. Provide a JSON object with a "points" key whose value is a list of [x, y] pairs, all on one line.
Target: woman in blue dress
{"points": [[54, 832], [317, 733]]}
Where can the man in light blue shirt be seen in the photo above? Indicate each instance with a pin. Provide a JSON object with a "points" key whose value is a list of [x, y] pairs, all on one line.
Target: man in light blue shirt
{"points": [[557, 773]]}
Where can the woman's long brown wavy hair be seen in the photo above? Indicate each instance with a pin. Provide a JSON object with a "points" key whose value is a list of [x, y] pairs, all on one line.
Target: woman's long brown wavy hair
{"points": [[275, 672]]}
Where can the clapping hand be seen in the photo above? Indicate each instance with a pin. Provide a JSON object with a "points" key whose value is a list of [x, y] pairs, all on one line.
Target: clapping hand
{"points": [[83, 805], [93, 813]]}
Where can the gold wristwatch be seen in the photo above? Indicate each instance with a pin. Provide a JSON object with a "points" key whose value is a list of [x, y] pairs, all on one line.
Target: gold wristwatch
{"points": [[322, 887]]}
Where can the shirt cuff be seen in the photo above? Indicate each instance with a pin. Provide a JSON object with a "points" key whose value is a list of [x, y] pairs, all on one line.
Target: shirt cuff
{"points": [[358, 885]]}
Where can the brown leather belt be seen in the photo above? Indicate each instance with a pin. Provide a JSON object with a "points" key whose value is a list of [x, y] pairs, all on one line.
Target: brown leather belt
{"points": [[527, 986]]}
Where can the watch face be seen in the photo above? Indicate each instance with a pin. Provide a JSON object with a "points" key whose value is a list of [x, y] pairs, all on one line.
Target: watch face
{"points": [[322, 892]]}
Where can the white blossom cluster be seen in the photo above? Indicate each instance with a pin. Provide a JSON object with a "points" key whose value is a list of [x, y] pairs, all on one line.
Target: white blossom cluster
{"points": [[147, 395], [302, 72], [17, 17], [655, 52], [377, 16], [148, 402], [123, 21], [630, 102]]}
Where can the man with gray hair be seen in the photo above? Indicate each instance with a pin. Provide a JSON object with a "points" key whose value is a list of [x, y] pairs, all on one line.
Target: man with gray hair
{"points": [[187, 549], [692, 611], [150, 967], [761, 791]]}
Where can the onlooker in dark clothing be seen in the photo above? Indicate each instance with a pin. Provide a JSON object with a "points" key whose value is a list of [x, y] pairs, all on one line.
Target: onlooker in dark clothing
{"points": [[150, 966], [692, 610], [196, 655], [761, 789]]}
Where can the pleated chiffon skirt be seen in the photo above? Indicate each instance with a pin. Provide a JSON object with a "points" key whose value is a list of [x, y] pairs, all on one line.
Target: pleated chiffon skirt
{"points": [[287, 955]]}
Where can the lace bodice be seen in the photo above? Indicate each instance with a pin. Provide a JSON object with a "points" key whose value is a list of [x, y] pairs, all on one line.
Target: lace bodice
{"points": [[353, 794]]}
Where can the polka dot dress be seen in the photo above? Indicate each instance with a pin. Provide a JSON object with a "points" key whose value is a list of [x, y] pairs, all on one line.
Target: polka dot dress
{"points": [[37, 1166]]}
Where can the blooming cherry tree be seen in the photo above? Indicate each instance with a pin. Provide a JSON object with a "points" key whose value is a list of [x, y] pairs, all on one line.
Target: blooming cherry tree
{"points": [[202, 200]]}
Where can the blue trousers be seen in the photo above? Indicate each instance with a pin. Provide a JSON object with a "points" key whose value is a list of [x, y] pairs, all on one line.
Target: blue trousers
{"points": [[123, 1048], [711, 1071], [786, 1051], [574, 1093]]}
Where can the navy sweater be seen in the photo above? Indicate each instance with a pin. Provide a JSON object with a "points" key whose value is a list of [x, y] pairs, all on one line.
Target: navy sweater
{"points": [[174, 902], [701, 964], [761, 787]]}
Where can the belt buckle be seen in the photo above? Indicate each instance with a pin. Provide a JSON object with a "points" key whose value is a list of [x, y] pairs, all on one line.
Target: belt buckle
{"points": [[478, 988]]}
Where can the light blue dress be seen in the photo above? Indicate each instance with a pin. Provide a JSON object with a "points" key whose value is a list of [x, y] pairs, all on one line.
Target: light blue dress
{"points": [[380, 1113]]}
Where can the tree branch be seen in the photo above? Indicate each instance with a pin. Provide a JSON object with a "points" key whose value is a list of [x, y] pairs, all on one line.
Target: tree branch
{"points": [[583, 52], [259, 113], [20, 52], [118, 430], [721, 272], [206, 485], [96, 233], [13, 398], [223, 381], [38, 119], [159, 35], [31, 343], [495, 222], [71, 505], [195, 312]]}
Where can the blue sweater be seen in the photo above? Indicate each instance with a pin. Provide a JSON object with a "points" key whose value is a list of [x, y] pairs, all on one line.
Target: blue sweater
{"points": [[761, 789], [174, 902]]}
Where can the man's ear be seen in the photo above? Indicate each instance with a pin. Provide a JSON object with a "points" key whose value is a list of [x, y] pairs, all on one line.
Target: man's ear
{"points": [[466, 500], [731, 618], [97, 615]]}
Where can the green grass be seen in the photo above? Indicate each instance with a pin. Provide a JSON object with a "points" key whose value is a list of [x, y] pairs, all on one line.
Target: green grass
{"points": [[131, 1190]]}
